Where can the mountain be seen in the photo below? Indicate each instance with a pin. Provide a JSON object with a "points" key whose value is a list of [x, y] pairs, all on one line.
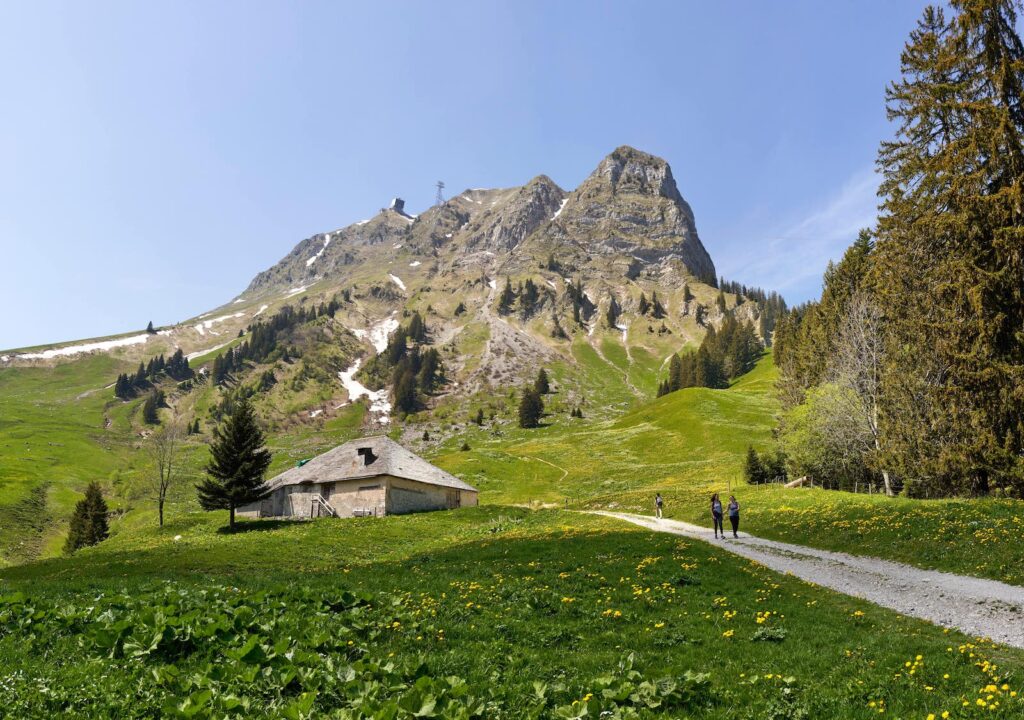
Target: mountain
{"points": [[493, 285]]}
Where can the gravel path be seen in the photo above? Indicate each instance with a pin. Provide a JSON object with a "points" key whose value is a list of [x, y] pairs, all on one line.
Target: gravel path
{"points": [[977, 607]]}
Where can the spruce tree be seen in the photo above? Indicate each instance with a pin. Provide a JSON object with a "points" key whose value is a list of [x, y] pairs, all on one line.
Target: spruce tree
{"points": [[237, 464], [531, 407], [507, 297], [950, 253], [753, 470], [149, 328], [542, 385], [720, 300], [89, 523], [644, 306], [657, 310], [150, 416]]}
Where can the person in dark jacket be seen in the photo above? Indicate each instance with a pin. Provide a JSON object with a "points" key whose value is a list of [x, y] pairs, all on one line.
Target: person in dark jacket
{"points": [[658, 503]]}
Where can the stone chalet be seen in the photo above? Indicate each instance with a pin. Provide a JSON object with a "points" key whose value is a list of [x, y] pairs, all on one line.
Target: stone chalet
{"points": [[370, 476]]}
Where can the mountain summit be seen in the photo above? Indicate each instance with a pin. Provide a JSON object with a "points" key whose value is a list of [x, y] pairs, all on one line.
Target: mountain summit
{"points": [[627, 216]]}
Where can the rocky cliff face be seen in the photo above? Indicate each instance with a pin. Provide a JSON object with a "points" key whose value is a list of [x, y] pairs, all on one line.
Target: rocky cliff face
{"points": [[630, 205]]}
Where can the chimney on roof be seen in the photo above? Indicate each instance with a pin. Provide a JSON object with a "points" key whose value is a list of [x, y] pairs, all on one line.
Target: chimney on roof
{"points": [[367, 455]]}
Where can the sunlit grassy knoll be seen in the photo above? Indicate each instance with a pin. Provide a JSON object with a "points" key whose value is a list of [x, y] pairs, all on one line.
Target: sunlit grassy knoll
{"points": [[536, 613], [691, 443]]}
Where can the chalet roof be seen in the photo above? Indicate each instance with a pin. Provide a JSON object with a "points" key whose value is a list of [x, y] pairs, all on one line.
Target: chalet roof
{"points": [[348, 462]]}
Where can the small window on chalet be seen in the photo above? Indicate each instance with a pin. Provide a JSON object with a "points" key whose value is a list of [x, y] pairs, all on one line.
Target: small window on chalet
{"points": [[367, 454]]}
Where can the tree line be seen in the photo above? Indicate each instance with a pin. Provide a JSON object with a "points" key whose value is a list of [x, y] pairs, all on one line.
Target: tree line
{"points": [[908, 372], [128, 386], [723, 355]]}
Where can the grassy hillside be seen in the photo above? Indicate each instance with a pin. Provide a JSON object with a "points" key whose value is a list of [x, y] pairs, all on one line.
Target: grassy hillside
{"points": [[492, 612], [691, 443]]}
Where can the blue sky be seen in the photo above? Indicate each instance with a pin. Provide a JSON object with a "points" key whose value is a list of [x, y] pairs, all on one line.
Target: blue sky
{"points": [[155, 156]]}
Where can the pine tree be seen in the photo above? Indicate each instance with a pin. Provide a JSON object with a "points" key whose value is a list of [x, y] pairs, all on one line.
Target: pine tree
{"points": [[237, 465], [950, 253], [720, 300], [479, 419], [89, 523], [404, 393], [753, 470], [675, 373], [657, 310], [542, 385], [460, 308], [150, 416], [644, 306], [507, 297], [531, 407], [687, 295], [149, 328]]}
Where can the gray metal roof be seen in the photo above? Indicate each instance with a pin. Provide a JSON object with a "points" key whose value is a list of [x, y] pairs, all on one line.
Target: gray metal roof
{"points": [[345, 463]]}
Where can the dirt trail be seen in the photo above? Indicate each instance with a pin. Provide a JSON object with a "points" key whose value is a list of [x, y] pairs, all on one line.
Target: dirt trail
{"points": [[978, 607]]}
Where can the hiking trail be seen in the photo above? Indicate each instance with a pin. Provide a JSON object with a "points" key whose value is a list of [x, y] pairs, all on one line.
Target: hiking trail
{"points": [[975, 606]]}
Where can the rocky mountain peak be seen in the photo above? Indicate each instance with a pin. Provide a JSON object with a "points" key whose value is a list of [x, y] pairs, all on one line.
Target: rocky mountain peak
{"points": [[628, 170]]}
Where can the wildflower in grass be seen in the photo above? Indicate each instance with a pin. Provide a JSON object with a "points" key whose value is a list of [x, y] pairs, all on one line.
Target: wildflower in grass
{"points": [[728, 634]]}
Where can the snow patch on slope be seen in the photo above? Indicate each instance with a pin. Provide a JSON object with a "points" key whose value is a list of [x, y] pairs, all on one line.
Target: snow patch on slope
{"points": [[560, 209], [199, 353], [380, 332], [202, 327], [327, 241], [397, 281], [380, 407], [260, 311], [415, 263], [296, 291], [83, 348]]}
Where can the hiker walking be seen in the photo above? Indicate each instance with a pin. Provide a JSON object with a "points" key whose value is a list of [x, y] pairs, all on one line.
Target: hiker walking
{"points": [[658, 502], [716, 515], [734, 515]]}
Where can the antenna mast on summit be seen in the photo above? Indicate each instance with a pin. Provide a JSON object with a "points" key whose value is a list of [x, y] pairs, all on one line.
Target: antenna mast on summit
{"points": [[440, 193]]}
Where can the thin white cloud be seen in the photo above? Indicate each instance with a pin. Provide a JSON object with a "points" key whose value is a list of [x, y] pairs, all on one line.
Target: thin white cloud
{"points": [[792, 260]]}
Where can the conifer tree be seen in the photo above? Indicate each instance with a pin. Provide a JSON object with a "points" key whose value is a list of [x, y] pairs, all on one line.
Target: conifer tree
{"points": [[89, 523], [657, 310], [687, 295], [507, 297], [950, 253], [720, 300], [237, 464], [753, 470], [149, 328], [405, 391], [644, 306], [150, 408], [531, 407], [542, 385]]}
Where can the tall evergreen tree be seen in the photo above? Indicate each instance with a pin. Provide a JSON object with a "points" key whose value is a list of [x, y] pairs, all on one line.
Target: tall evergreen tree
{"points": [[89, 523], [950, 253], [531, 407], [644, 305], [237, 464], [150, 408], [150, 329], [542, 385]]}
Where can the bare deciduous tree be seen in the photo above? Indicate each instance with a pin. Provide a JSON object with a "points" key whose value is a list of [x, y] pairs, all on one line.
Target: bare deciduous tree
{"points": [[165, 450], [856, 369]]}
